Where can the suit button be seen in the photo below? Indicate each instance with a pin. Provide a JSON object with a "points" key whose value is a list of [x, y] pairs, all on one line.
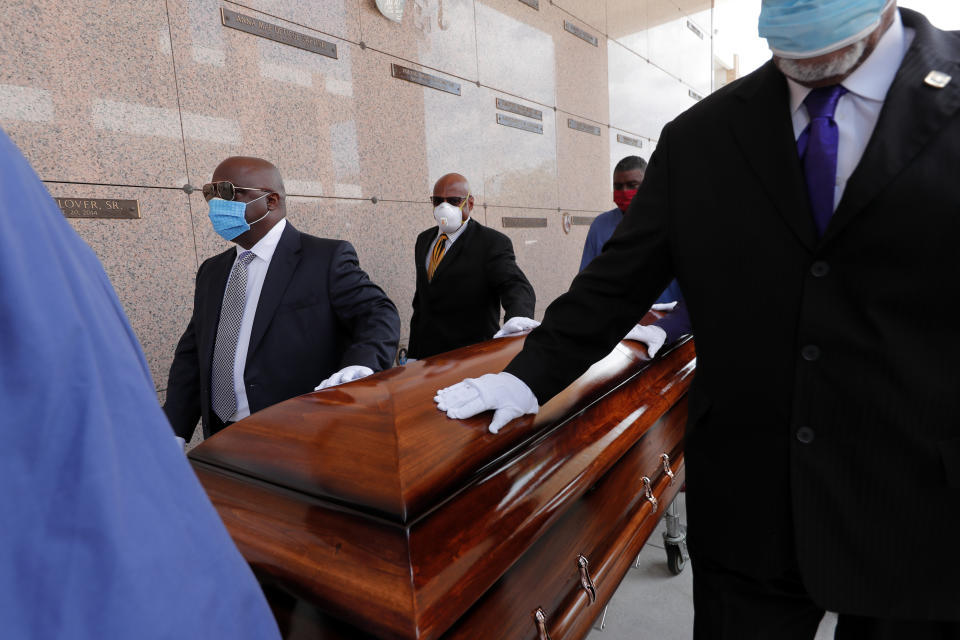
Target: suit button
{"points": [[810, 352], [819, 269], [805, 435]]}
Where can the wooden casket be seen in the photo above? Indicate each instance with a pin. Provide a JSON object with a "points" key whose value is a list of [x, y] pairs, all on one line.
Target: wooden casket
{"points": [[365, 512]]}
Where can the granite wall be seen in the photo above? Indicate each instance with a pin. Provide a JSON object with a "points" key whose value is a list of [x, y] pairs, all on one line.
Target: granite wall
{"points": [[140, 99]]}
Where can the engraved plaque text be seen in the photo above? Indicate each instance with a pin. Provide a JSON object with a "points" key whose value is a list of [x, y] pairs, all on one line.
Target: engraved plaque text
{"points": [[634, 142], [693, 94], [585, 221], [517, 123], [99, 208], [519, 109], [583, 126], [525, 222], [425, 79], [569, 27], [277, 33], [695, 29]]}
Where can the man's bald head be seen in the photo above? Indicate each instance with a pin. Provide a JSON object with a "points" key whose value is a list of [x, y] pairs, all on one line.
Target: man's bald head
{"points": [[455, 185], [247, 171], [259, 178]]}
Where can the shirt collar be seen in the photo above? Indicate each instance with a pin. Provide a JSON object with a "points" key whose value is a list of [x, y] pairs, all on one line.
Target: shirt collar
{"points": [[267, 244], [872, 79]]}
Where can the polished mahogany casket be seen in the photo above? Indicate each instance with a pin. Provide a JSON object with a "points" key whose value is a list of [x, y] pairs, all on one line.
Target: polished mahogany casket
{"points": [[365, 512]]}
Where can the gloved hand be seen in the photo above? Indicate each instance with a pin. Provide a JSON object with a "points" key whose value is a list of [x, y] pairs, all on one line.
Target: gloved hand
{"points": [[651, 335], [347, 374], [506, 394], [181, 443], [664, 306], [515, 326]]}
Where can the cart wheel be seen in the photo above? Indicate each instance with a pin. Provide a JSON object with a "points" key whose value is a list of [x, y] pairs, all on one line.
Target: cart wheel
{"points": [[675, 561]]}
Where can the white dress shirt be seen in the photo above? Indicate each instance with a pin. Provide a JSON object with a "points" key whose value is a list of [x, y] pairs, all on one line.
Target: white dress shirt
{"points": [[858, 110], [256, 272], [451, 238]]}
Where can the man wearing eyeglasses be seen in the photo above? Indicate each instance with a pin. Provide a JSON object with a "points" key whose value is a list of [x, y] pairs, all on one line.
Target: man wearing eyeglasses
{"points": [[465, 272], [274, 316]]}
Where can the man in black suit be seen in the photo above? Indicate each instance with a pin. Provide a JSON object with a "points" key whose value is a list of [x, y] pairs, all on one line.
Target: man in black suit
{"points": [[826, 191], [275, 316], [465, 272]]}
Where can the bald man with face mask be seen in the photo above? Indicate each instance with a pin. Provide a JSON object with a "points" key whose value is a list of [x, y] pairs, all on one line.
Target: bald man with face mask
{"points": [[826, 192], [276, 316], [465, 273]]}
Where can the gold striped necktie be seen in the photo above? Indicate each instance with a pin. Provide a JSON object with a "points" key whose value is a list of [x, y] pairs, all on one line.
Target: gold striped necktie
{"points": [[437, 255]]}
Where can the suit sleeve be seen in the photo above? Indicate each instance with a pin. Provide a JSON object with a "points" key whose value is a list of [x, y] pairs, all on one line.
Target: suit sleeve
{"points": [[182, 405], [365, 310], [516, 294], [607, 297]]}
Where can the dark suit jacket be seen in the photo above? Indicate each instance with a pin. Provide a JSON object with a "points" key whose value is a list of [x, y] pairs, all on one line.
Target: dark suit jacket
{"points": [[833, 434], [318, 312], [461, 305]]}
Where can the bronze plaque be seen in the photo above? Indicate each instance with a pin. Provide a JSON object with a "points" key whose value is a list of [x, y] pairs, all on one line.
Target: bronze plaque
{"points": [[584, 221], [529, 223], [583, 126], [519, 109], [693, 94], [277, 33], [533, 4], [99, 208], [569, 27], [633, 142], [425, 79], [695, 29], [517, 123]]}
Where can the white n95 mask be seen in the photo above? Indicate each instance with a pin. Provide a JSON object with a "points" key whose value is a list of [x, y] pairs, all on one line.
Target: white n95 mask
{"points": [[449, 218]]}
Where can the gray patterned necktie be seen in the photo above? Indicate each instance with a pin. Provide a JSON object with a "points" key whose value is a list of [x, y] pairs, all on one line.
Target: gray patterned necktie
{"points": [[223, 396]]}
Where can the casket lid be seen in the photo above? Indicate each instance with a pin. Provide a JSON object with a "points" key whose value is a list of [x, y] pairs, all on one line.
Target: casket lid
{"points": [[379, 445]]}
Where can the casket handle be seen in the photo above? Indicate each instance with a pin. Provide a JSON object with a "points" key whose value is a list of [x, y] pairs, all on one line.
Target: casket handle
{"points": [[666, 467], [648, 494], [585, 580], [541, 619]]}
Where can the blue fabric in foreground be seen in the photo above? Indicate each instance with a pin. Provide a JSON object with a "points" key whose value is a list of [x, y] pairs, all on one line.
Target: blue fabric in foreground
{"points": [[105, 531]]}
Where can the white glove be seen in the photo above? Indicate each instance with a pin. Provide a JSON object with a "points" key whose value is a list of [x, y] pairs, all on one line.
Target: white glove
{"points": [[347, 374], [181, 443], [651, 335], [506, 394], [515, 326], [664, 306]]}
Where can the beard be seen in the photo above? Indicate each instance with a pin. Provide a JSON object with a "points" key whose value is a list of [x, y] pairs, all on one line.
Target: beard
{"points": [[803, 71]]}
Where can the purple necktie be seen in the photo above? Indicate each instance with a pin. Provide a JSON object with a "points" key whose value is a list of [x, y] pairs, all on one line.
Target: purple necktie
{"points": [[817, 146]]}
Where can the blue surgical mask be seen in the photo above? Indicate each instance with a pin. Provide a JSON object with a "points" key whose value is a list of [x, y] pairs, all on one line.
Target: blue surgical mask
{"points": [[809, 28], [228, 217]]}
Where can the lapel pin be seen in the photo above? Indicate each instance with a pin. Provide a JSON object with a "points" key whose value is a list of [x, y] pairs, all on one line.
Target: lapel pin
{"points": [[937, 79]]}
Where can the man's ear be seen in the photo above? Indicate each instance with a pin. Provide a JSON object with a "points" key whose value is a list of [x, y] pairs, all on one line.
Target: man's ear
{"points": [[273, 201], [469, 208]]}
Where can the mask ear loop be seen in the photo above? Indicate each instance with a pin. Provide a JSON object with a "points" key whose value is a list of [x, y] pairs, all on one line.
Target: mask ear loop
{"points": [[264, 215]]}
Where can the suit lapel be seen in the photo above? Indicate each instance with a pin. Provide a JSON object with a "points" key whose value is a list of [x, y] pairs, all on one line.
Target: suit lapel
{"points": [[912, 114], [420, 254], [764, 133], [284, 263], [455, 250]]}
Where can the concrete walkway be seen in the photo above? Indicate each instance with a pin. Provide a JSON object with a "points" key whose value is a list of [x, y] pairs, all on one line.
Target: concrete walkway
{"points": [[651, 603]]}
